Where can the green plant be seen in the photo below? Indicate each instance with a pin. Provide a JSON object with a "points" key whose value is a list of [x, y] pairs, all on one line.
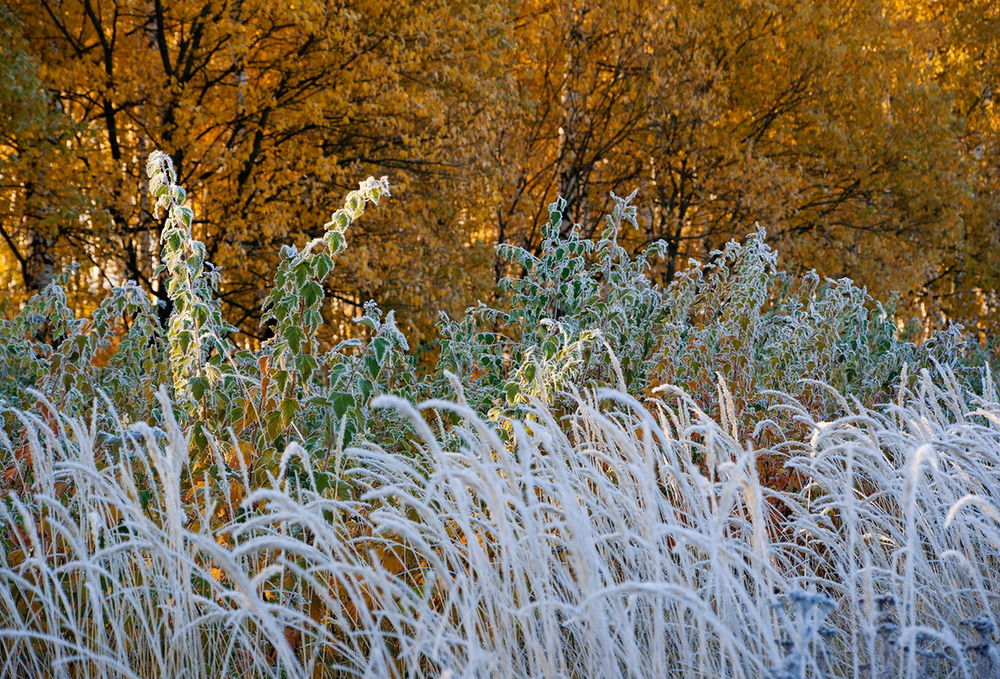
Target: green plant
{"points": [[220, 391], [584, 313]]}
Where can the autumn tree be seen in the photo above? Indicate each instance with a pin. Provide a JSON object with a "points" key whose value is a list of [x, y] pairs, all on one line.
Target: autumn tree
{"points": [[268, 109], [822, 121], [33, 135], [962, 50], [861, 134]]}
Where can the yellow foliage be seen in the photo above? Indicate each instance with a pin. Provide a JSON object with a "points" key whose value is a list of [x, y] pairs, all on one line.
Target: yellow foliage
{"points": [[832, 124], [863, 135]]}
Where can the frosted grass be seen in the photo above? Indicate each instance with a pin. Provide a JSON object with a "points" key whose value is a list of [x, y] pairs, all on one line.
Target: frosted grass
{"points": [[624, 539]]}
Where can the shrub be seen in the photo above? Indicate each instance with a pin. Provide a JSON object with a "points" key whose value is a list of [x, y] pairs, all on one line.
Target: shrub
{"points": [[586, 314]]}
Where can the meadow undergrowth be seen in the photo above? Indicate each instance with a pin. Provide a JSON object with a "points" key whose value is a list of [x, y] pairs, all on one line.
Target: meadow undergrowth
{"points": [[739, 474]]}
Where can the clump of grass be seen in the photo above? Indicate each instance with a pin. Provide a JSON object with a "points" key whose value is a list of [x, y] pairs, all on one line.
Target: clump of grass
{"points": [[584, 546]]}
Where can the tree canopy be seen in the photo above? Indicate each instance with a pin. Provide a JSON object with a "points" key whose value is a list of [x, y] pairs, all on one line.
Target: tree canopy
{"points": [[862, 135]]}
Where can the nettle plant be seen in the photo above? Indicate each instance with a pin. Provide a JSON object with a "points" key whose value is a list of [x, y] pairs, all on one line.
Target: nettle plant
{"points": [[288, 389], [587, 314], [760, 330], [49, 354], [257, 401], [581, 314]]}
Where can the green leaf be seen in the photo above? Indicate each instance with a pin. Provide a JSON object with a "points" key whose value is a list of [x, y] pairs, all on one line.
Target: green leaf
{"points": [[305, 364], [529, 371], [349, 430], [342, 402], [337, 371], [322, 266], [288, 407], [281, 378], [313, 318], [321, 481], [379, 345], [372, 366], [184, 339], [312, 292], [294, 337], [512, 389], [184, 215], [272, 423], [174, 241], [344, 491], [365, 387], [198, 387], [336, 242], [199, 437]]}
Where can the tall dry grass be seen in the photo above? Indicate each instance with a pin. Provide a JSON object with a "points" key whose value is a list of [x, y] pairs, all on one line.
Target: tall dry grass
{"points": [[625, 539]]}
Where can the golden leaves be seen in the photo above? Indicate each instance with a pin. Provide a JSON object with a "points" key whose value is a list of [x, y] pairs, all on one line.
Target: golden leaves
{"points": [[860, 134]]}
